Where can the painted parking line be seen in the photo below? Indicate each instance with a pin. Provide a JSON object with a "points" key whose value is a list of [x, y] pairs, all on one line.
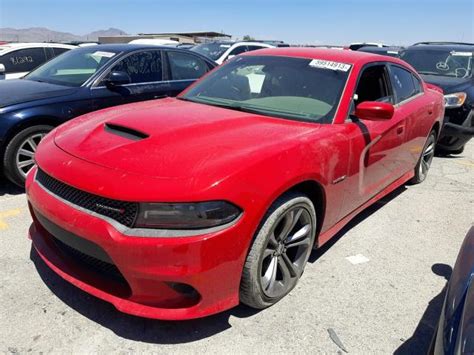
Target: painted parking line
{"points": [[465, 162], [7, 214]]}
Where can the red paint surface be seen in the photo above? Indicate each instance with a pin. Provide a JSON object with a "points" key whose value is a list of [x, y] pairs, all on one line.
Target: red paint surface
{"points": [[197, 153]]}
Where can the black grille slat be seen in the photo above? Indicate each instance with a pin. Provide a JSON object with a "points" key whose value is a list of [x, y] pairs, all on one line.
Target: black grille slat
{"points": [[101, 267], [121, 211]]}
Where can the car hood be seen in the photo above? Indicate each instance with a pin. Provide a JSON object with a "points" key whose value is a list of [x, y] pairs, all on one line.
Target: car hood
{"points": [[21, 90], [448, 84], [175, 139]]}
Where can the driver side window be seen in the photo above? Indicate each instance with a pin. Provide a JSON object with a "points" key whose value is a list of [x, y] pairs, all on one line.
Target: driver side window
{"points": [[374, 85], [142, 67]]}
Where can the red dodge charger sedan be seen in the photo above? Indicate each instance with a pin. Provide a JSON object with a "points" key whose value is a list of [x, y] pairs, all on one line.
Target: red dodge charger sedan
{"points": [[184, 207]]}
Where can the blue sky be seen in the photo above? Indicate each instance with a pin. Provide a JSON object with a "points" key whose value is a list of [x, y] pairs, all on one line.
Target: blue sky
{"points": [[295, 21]]}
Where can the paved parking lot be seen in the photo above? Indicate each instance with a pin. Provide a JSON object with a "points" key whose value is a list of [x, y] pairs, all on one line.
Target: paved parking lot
{"points": [[389, 303]]}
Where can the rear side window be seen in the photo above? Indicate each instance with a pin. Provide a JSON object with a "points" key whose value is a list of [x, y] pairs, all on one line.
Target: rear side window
{"points": [[58, 51], [239, 50], [185, 66], [142, 67], [418, 85], [253, 48], [23, 60], [403, 84]]}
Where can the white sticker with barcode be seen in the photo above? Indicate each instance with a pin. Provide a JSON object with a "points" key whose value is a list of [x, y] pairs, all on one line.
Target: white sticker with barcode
{"points": [[103, 54], [461, 54], [327, 64]]}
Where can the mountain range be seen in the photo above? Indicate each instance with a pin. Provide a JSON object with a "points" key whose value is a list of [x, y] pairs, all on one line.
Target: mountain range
{"points": [[41, 34]]}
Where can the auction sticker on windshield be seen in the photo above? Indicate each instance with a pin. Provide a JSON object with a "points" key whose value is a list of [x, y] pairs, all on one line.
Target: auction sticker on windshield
{"points": [[103, 54], [327, 64], [461, 54]]}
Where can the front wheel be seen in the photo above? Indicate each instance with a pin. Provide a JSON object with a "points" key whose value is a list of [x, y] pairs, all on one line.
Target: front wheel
{"points": [[19, 154], [424, 164], [279, 252]]}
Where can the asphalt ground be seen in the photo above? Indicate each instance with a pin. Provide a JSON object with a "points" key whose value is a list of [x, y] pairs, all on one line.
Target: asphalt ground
{"points": [[377, 288]]}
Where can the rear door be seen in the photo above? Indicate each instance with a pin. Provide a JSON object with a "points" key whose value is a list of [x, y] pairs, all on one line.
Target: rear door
{"points": [[416, 107], [183, 69], [145, 69]]}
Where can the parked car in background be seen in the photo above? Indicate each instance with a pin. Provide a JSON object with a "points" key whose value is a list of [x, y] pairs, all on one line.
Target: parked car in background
{"points": [[221, 51], [455, 331], [183, 207], [357, 45], [18, 59], [449, 66], [390, 51], [83, 80]]}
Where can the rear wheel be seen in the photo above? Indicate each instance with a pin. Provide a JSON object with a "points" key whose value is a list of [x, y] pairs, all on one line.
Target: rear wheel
{"points": [[279, 252], [424, 164], [19, 154]]}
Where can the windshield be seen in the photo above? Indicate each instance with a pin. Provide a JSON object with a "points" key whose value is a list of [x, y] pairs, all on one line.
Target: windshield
{"points": [[212, 50], [72, 68], [295, 88], [457, 64]]}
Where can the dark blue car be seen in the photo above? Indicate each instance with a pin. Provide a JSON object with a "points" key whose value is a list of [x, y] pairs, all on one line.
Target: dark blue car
{"points": [[84, 80], [450, 66], [455, 334]]}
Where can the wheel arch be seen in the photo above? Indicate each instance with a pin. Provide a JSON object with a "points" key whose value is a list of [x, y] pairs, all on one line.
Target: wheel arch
{"points": [[437, 128], [28, 122], [316, 193]]}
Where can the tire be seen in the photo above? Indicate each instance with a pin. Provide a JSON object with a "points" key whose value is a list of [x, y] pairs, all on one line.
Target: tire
{"points": [[426, 157], [457, 151], [18, 157], [279, 252], [444, 153]]}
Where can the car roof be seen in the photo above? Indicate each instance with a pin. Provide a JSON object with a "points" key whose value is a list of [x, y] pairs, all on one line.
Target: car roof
{"points": [[336, 55], [469, 47], [380, 49], [130, 47], [34, 45]]}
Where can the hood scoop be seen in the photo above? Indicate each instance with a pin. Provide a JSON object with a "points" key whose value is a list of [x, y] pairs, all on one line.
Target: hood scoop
{"points": [[125, 132]]}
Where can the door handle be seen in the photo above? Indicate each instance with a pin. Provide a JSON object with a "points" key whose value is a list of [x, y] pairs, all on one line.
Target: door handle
{"points": [[400, 130]]}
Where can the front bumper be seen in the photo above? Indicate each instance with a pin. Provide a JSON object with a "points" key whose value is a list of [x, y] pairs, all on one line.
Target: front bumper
{"points": [[457, 130], [164, 278]]}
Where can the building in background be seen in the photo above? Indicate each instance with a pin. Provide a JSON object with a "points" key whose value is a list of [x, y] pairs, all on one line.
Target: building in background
{"points": [[181, 37]]}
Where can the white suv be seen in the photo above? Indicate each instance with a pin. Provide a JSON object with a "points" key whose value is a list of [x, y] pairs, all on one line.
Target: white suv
{"points": [[221, 51], [18, 59]]}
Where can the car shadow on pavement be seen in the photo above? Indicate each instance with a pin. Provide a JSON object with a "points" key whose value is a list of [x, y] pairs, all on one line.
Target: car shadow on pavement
{"points": [[366, 213], [420, 341], [7, 188], [131, 327], [166, 332]]}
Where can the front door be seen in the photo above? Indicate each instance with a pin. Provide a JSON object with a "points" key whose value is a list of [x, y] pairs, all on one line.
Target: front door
{"points": [[377, 147], [145, 69]]}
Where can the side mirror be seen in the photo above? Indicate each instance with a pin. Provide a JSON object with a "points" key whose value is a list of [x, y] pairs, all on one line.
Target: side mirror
{"points": [[117, 78], [374, 111], [2, 69]]}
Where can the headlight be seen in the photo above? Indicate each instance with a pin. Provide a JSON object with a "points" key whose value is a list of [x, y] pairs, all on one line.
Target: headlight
{"points": [[186, 215], [454, 100]]}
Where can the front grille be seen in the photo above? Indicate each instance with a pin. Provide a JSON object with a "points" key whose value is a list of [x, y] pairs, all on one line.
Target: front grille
{"points": [[101, 267], [87, 255], [121, 211]]}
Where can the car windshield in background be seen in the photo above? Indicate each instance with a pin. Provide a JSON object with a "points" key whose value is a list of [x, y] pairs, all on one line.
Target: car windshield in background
{"points": [[295, 88], [72, 68], [212, 50], [457, 64]]}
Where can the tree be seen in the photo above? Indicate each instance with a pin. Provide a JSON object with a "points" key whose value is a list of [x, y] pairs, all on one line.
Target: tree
{"points": [[248, 38]]}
